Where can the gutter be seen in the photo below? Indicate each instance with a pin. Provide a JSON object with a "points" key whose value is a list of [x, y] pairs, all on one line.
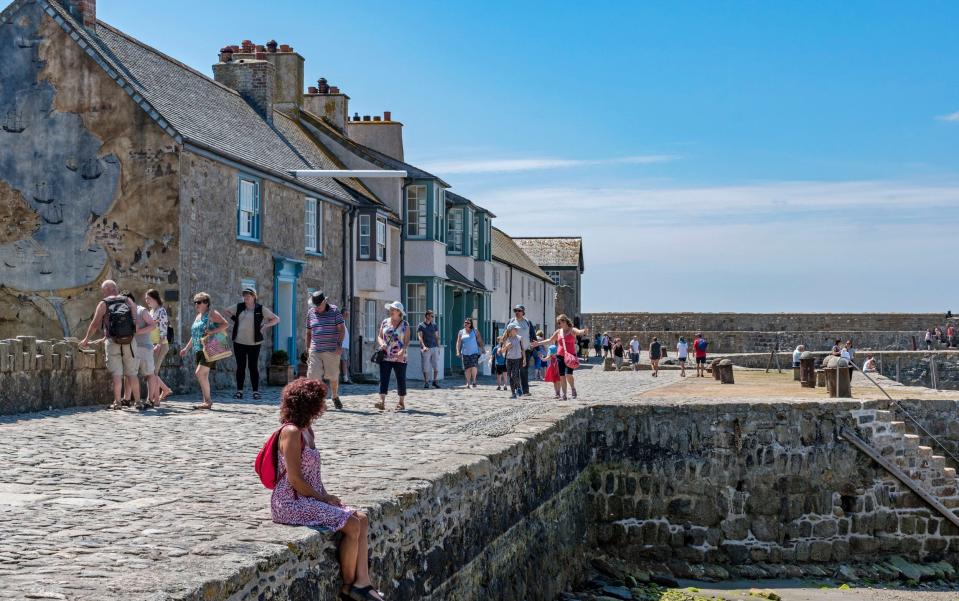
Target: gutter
{"points": [[406, 184]]}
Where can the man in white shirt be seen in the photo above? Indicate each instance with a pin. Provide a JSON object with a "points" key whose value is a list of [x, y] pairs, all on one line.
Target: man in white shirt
{"points": [[634, 352], [523, 329], [797, 354], [345, 356]]}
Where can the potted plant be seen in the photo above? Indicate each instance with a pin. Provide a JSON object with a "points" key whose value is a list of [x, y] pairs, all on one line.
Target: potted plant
{"points": [[279, 372]]}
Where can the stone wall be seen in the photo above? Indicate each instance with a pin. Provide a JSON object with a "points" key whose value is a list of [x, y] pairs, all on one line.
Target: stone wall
{"points": [[38, 375], [735, 485], [738, 341], [764, 322], [88, 184]]}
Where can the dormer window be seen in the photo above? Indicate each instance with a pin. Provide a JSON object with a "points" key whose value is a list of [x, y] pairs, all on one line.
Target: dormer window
{"points": [[456, 232]]}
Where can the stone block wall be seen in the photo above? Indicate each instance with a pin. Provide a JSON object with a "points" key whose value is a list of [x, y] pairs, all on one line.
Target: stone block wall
{"points": [[38, 375], [741, 341], [764, 322]]}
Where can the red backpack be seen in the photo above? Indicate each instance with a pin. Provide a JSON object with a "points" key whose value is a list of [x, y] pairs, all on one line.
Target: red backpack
{"points": [[267, 463]]}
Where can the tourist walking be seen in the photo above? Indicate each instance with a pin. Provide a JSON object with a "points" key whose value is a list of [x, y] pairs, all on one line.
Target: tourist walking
{"points": [[160, 339], [655, 354], [928, 339], [144, 348], [584, 348], [951, 335], [598, 345], [682, 352], [512, 347], [539, 358], [527, 334], [607, 345], [428, 333], [566, 361], [206, 323], [499, 365], [699, 350], [299, 497], [114, 315], [325, 331], [938, 336], [797, 355], [393, 340], [469, 347], [618, 352], [250, 320], [634, 348], [345, 349]]}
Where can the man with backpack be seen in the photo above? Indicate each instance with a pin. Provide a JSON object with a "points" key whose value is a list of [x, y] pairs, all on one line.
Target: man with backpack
{"points": [[699, 348], [115, 315]]}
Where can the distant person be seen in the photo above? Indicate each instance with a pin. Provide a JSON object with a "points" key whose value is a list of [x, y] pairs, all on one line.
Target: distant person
{"points": [[251, 320], [428, 333], [848, 352], [161, 344], [607, 345], [539, 358], [797, 354], [597, 345], [393, 339], [937, 335], [114, 315], [300, 499], [145, 327], [951, 335], [469, 347], [345, 352], [837, 348], [928, 339], [655, 354], [634, 348], [699, 350], [207, 322], [869, 365], [325, 331], [618, 352], [527, 334], [512, 347], [682, 353]]}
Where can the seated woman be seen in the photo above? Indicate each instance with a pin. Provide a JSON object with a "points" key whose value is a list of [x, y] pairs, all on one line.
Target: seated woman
{"points": [[300, 499]]}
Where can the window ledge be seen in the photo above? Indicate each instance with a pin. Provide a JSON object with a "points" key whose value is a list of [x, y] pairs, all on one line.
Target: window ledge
{"points": [[251, 241], [313, 253]]}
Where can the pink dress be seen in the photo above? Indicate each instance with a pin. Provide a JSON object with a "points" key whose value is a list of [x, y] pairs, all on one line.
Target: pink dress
{"points": [[289, 507]]}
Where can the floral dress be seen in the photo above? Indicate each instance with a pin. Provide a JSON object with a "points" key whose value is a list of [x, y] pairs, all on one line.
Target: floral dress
{"points": [[394, 338], [289, 507]]}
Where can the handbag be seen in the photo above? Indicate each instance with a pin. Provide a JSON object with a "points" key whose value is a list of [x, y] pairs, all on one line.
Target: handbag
{"points": [[570, 359], [216, 346], [380, 354]]}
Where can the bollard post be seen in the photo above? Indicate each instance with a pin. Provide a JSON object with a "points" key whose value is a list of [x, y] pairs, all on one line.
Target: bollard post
{"points": [[797, 376], [714, 369], [837, 375], [807, 370], [725, 369]]}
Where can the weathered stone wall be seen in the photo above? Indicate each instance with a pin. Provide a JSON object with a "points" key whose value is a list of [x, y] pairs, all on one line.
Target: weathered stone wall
{"points": [[216, 262], [764, 322], [38, 375], [88, 184], [738, 341]]}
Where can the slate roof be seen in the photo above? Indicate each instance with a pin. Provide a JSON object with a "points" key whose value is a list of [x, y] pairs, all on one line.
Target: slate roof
{"points": [[455, 199], [554, 252], [194, 108], [507, 251], [457, 277]]}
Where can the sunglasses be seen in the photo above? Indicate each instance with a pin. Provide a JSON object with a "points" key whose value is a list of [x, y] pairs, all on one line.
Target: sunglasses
{"points": [[201, 302]]}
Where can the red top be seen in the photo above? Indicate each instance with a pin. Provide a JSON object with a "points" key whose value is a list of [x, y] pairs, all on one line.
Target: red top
{"points": [[700, 349]]}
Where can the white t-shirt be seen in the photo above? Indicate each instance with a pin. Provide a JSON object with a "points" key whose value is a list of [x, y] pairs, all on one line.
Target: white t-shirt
{"points": [[797, 355], [682, 349], [346, 337], [634, 346], [844, 353]]}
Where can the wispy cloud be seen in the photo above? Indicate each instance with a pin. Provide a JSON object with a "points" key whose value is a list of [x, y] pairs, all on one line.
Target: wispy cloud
{"points": [[456, 166], [949, 117]]}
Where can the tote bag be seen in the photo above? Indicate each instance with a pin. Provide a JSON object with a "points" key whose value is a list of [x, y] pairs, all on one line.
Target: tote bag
{"points": [[216, 346]]}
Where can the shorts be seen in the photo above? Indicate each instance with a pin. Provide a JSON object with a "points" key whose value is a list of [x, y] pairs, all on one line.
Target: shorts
{"points": [[655, 357], [470, 361], [701, 360], [201, 360], [158, 356], [563, 370], [431, 359], [147, 363], [323, 365], [500, 369], [634, 357], [681, 359], [122, 359]]}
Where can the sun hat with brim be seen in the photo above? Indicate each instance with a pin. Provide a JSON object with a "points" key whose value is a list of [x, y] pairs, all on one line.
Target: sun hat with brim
{"points": [[249, 290], [396, 305]]}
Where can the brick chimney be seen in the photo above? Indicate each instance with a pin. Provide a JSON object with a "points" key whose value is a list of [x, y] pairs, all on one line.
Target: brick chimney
{"points": [[287, 71], [379, 133], [253, 78], [328, 102], [84, 11]]}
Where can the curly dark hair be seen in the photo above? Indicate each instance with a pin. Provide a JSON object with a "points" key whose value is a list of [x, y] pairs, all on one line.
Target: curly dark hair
{"points": [[301, 401]]}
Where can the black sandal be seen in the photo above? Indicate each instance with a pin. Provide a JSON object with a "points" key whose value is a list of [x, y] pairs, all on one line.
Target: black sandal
{"points": [[238, 395], [364, 594]]}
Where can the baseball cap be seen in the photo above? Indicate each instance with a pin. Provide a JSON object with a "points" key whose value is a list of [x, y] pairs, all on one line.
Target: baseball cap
{"points": [[519, 308], [249, 290]]}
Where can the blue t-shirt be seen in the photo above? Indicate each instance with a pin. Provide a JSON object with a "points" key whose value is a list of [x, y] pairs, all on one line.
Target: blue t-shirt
{"points": [[468, 344], [429, 334]]}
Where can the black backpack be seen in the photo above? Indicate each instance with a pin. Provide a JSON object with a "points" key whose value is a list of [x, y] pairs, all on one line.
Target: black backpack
{"points": [[120, 325]]}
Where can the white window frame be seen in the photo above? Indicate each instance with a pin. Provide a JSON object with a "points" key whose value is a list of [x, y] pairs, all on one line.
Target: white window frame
{"points": [[310, 223], [248, 209], [381, 239], [416, 303], [416, 215], [457, 215], [370, 323], [475, 218], [364, 224], [439, 210]]}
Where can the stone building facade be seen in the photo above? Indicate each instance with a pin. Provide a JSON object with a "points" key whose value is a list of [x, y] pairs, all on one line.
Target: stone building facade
{"points": [[562, 259], [156, 176]]}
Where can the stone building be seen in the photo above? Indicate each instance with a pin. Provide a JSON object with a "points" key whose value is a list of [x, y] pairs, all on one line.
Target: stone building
{"points": [[518, 280], [117, 161], [562, 260]]}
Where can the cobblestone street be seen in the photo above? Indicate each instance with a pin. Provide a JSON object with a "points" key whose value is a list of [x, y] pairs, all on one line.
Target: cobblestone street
{"points": [[96, 504]]}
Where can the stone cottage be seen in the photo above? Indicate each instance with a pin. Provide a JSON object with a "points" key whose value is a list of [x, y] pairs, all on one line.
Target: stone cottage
{"points": [[561, 257], [518, 280], [117, 161]]}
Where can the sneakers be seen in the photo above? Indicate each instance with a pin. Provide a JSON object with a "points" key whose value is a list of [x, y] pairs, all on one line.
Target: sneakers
{"points": [[499, 388], [436, 384], [513, 396], [337, 403], [141, 405], [426, 384]]}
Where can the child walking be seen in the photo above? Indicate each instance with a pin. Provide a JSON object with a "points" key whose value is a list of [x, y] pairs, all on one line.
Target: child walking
{"points": [[499, 365]]}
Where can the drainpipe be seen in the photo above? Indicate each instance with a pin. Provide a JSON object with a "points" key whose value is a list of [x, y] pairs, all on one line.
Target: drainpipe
{"points": [[349, 247], [406, 183], [510, 309], [545, 325]]}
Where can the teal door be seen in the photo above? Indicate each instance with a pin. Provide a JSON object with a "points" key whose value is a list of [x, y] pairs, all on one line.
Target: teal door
{"points": [[454, 317]]}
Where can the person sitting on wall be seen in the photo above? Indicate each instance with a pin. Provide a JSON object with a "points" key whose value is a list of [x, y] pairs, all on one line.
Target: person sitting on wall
{"points": [[869, 365], [797, 354], [300, 499]]}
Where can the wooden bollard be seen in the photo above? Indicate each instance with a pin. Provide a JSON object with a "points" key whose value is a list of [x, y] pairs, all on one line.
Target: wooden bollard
{"points": [[807, 370], [714, 368], [796, 375]]}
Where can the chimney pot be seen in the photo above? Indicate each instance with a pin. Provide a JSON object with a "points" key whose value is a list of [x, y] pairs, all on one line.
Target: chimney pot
{"points": [[247, 46], [260, 48], [356, 116], [271, 45], [322, 86], [226, 54], [286, 48], [334, 90], [312, 90], [387, 116], [366, 117]]}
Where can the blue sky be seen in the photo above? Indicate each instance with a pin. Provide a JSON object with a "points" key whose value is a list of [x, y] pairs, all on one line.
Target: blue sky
{"points": [[735, 156]]}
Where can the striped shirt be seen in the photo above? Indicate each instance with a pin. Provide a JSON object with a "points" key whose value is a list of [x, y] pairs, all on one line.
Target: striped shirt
{"points": [[324, 334]]}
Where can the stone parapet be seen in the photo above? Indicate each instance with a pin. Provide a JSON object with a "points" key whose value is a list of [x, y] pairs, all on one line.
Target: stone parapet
{"points": [[765, 322]]}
